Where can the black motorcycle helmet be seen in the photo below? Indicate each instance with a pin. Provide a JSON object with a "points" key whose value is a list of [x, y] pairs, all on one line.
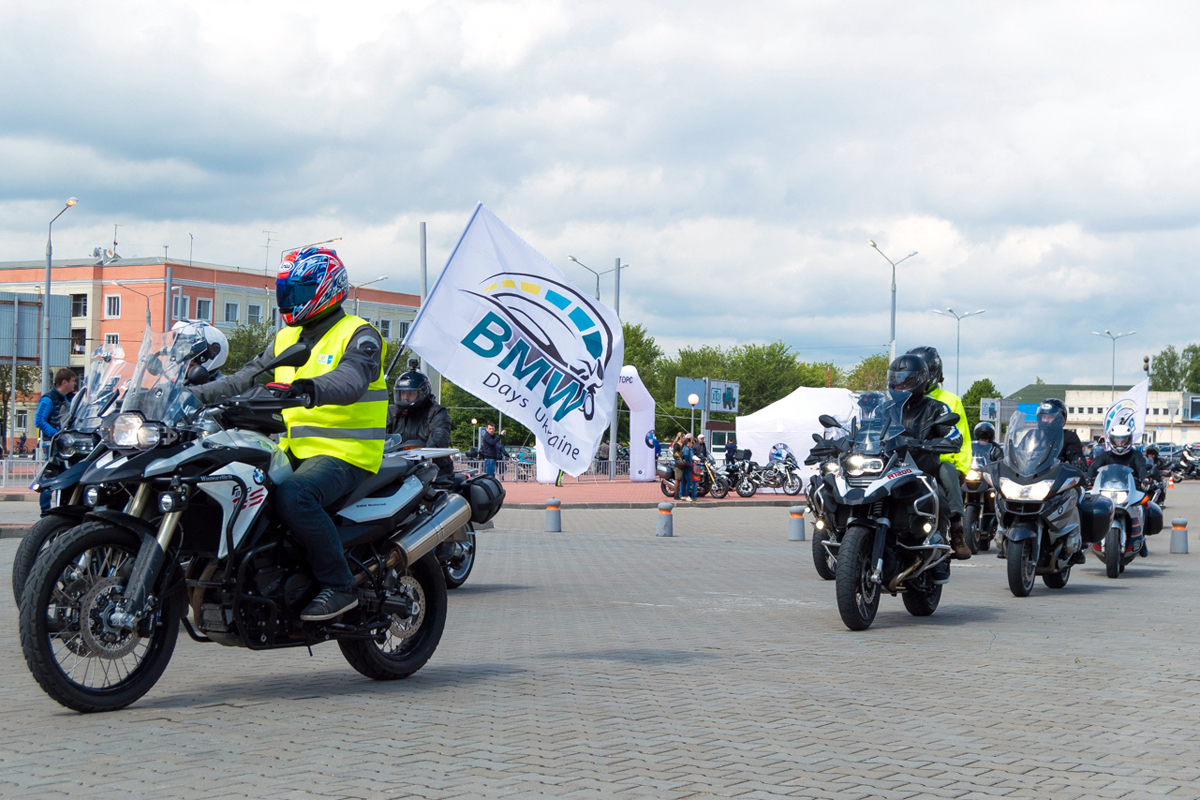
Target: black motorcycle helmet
{"points": [[984, 432], [933, 361], [1050, 411], [411, 391], [908, 373], [1059, 404], [1152, 451]]}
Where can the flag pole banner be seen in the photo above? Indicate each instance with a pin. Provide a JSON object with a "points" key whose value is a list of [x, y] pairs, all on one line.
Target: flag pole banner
{"points": [[1130, 409], [506, 325]]}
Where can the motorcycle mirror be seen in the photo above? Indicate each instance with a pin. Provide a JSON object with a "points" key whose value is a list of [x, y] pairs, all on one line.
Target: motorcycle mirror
{"points": [[828, 421], [295, 355], [817, 438], [947, 419], [196, 375]]}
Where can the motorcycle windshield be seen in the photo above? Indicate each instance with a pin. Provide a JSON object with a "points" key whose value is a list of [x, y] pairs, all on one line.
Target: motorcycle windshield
{"points": [[1114, 478], [103, 383], [878, 420], [157, 389], [1032, 446]]}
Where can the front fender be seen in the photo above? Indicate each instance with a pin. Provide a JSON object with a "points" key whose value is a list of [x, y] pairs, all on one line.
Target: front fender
{"points": [[123, 520], [1020, 534]]}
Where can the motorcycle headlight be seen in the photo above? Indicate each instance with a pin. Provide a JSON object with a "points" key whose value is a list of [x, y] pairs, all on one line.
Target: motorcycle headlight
{"points": [[974, 475], [1118, 498], [833, 467], [861, 465], [125, 430], [149, 436], [1025, 491], [68, 445]]}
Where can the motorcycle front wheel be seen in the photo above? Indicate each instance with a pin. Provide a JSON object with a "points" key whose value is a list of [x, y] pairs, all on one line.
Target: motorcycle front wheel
{"points": [[410, 641], [73, 652], [1022, 569], [857, 594], [36, 539], [746, 488], [792, 485], [720, 488], [1112, 552], [825, 563]]}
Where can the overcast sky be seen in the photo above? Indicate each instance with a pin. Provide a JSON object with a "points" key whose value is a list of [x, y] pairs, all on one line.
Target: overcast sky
{"points": [[1043, 158]]}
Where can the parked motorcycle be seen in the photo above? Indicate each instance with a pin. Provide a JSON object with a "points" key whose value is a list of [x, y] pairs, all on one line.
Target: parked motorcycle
{"points": [[827, 529], [75, 446], [779, 473], [1134, 519], [896, 529], [1041, 524], [710, 482], [979, 503], [199, 544]]}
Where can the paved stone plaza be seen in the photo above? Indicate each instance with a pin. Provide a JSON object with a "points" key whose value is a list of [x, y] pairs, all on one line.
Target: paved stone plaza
{"points": [[604, 662]]}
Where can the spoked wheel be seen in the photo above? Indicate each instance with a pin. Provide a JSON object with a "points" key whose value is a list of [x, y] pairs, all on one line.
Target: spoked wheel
{"points": [[411, 640], [720, 488], [1112, 552], [825, 563], [1057, 580], [745, 488], [792, 485], [74, 652], [668, 486], [1022, 567], [970, 524], [460, 562], [39, 537], [857, 594], [922, 603]]}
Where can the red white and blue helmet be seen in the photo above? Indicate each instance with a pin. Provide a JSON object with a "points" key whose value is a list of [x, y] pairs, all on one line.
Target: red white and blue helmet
{"points": [[311, 282]]}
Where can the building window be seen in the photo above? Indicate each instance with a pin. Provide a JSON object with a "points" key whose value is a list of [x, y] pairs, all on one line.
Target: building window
{"points": [[22, 419], [253, 313], [385, 328], [204, 309], [179, 306], [404, 330], [79, 305], [112, 306], [112, 338], [231, 312], [78, 341]]}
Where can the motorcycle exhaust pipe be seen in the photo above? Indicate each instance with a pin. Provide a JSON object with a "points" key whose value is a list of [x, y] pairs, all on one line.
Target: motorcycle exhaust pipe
{"points": [[448, 516]]}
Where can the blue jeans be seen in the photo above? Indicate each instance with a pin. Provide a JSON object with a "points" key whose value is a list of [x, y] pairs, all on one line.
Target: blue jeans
{"points": [[689, 485], [44, 500], [300, 502], [489, 466]]}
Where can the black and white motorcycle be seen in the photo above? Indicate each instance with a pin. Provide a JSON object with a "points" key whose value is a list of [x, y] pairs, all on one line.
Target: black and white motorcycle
{"points": [[896, 521], [1133, 519], [198, 543]]}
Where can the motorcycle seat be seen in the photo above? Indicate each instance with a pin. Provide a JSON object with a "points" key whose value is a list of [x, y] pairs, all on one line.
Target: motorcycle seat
{"points": [[392, 471]]}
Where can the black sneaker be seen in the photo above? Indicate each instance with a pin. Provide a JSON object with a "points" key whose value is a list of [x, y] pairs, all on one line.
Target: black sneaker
{"points": [[941, 573], [1078, 558], [328, 604], [1145, 550]]}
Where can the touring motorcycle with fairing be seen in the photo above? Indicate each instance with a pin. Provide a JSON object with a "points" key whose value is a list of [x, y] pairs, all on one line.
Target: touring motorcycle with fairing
{"points": [[198, 543], [1134, 518]]}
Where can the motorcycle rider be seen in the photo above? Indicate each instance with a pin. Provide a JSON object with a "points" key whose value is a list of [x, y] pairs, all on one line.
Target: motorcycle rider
{"points": [[909, 373], [205, 367], [985, 434], [1072, 449], [417, 417], [1120, 451], [336, 439], [954, 466]]}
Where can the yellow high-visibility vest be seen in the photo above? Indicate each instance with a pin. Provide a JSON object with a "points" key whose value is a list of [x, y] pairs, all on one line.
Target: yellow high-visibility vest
{"points": [[962, 459], [353, 433]]}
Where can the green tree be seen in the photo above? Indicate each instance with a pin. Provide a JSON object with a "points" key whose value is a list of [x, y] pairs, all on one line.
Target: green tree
{"points": [[245, 343], [464, 407], [641, 351], [1167, 371], [869, 375], [27, 378], [979, 389]]}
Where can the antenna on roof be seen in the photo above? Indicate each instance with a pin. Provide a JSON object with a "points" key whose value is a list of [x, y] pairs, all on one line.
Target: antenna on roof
{"points": [[114, 249], [267, 256]]}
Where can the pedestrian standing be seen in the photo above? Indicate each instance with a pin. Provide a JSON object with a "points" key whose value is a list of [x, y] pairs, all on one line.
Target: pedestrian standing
{"points": [[701, 448], [730, 451], [688, 451], [46, 420], [677, 456], [491, 449]]}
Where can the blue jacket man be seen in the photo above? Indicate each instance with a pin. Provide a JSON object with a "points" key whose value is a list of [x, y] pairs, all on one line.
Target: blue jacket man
{"points": [[491, 448], [49, 408]]}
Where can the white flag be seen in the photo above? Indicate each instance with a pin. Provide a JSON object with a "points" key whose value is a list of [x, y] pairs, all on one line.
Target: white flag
{"points": [[505, 324], [1129, 409]]}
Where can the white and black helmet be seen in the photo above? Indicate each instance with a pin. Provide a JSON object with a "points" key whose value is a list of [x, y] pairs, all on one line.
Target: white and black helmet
{"points": [[214, 357], [1120, 439]]}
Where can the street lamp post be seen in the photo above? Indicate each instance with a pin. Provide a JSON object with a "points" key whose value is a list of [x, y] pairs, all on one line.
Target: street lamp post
{"points": [[693, 401], [357, 286], [45, 359], [148, 296], [958, 318], [597, 274], [1114, 337], [892, 343]]}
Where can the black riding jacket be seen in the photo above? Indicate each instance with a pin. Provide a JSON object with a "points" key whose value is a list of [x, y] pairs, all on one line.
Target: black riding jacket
{"points": [[429, 424], [916, 416], [1072, 448], [1133, 459]]}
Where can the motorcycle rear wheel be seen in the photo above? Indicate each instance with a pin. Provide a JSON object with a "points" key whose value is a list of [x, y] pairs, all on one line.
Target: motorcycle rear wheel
{"points": [[1021, 567], [857, 594], [72, 585], [970, 524], [668, 486], [1112, 552], [922, 604], [746, 488], [826, 564], [456, 574], [35, 540], [404, 652]]}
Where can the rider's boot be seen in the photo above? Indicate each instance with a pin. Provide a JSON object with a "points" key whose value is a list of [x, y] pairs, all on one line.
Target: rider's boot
{"points": [[1078, 558], [328, 604], [958, 539]]}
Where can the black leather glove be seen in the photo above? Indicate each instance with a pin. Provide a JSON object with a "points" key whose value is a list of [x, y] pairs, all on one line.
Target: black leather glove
{"points": [[304, 387]]}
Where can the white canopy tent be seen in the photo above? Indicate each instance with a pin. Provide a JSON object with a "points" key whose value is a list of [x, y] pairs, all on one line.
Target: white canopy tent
{"points": [[792, 421]]}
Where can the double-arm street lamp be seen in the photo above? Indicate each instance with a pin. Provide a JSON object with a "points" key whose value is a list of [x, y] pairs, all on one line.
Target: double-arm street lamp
{"points": [[958, 318], [892, 343], [1114, 337], [358, 286], [45, 359]]}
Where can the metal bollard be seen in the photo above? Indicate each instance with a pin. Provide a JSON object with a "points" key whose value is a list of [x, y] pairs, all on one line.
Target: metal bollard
{"points": [[1179, 536], [553, 516], [796, 524], [666, 525]]}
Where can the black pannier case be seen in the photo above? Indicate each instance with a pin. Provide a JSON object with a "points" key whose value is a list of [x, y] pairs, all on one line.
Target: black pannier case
{"points": [[485, 495]]}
